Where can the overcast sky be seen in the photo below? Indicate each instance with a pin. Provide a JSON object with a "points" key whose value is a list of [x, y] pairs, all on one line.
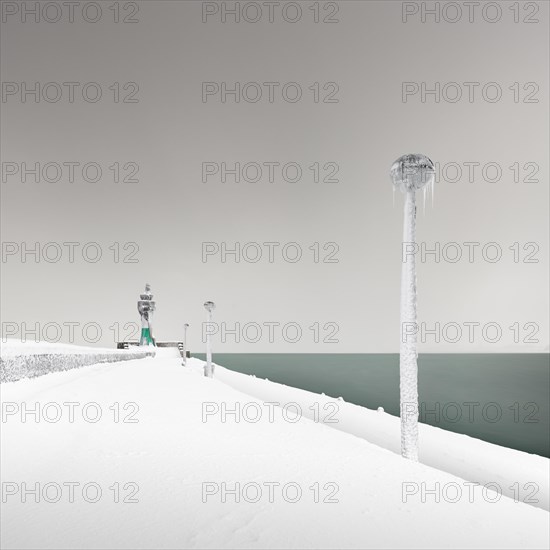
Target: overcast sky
{"points": [[365, 81]]}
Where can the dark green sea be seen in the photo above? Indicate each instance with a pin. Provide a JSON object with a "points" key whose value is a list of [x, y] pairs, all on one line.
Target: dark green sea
{"points": [[500, 398]]}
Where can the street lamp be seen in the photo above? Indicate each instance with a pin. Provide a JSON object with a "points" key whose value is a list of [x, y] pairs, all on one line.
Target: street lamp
{"points": [[209, 368], [410, 173], [185, 327]]}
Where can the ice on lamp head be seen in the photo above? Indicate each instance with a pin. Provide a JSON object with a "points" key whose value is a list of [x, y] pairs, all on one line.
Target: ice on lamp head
{"points": [[209, 306], [412, 172]]}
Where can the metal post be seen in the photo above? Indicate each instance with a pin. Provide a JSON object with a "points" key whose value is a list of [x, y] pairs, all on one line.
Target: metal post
{"points": [[209, 368], [185, 327]]}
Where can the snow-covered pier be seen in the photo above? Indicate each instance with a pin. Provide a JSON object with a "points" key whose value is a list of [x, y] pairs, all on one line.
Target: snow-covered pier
{"points": [[159, 456]]}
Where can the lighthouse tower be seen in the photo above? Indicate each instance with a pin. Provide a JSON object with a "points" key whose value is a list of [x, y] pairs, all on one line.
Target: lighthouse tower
{"points": [[146, 307]]}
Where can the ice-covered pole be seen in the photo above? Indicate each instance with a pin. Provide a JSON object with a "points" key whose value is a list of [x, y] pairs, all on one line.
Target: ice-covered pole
{"points": [[409, 173], [209, 368], [185, 327]]}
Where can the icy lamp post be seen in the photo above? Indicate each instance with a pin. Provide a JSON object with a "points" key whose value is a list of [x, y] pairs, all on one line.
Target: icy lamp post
{"points": [[185, 327], [209, 368], [410, 173]]}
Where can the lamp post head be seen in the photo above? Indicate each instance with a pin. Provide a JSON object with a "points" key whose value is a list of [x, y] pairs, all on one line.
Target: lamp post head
{"points": [[209, 306], [412, 172]]}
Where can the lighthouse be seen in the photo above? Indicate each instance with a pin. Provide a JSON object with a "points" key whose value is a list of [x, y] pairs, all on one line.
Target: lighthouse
{"points": [[146, 307]]}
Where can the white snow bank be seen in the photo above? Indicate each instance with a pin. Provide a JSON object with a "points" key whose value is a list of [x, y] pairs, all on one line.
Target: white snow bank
{"points": [[30, 359], [173, 450], [466, 457], [11, 347]]}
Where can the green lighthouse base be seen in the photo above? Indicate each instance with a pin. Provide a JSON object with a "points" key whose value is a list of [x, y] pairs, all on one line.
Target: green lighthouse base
{"points": [[146, 339]]}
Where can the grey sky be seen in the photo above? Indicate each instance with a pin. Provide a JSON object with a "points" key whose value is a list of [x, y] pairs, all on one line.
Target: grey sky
{"points": [[360, 63]]}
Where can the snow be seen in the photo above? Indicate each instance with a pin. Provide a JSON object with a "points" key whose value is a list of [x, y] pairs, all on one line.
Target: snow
{"points": [[30, 359], [461, 455], [11, 347], [173, 450]]}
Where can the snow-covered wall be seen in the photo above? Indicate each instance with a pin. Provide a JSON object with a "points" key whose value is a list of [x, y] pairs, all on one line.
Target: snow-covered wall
{"points": [[17, 362]]}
